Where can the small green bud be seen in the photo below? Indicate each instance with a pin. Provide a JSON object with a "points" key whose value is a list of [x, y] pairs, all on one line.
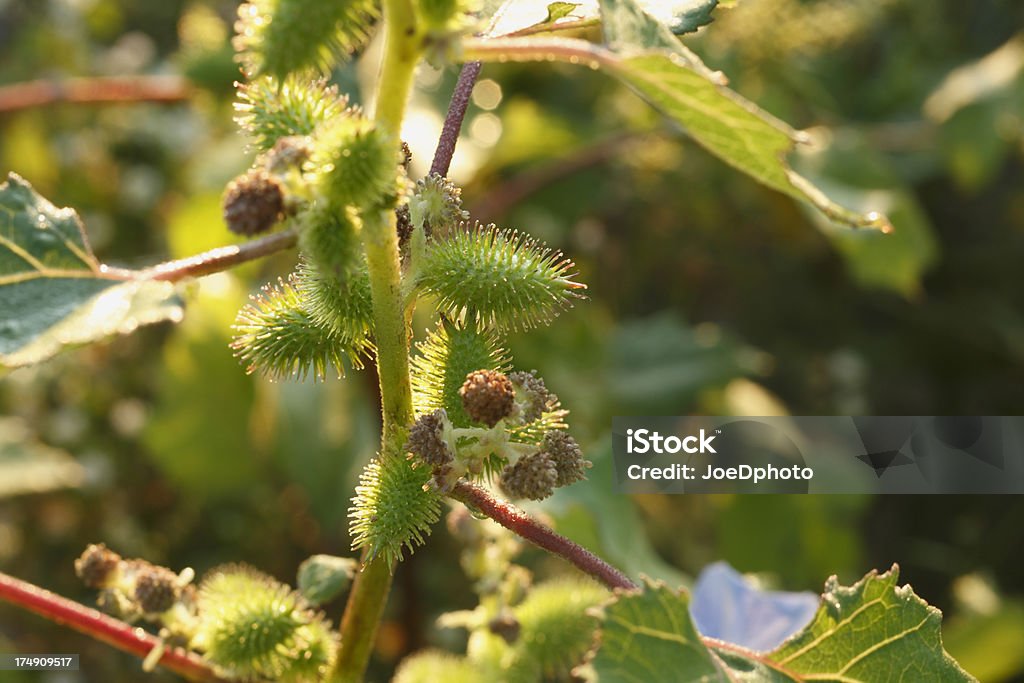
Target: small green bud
{"points": [[487, 396], [98, 566], [532, 477], [253, 203]]}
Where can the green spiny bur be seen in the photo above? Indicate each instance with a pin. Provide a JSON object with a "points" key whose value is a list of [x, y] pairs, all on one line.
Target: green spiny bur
{"points": [[256, 627], [279, 37], [392, 512], [445, 358], [276, 335], [269, 109], [498, 278], [555, 629], [337, 302], [433, 665], [355, 162], [329, 236]]}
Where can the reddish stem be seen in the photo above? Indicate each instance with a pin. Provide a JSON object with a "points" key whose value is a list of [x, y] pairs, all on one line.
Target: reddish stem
{"points": [[221, 258], [104, 628], [453, 120], [514, 519], [164, 89]]}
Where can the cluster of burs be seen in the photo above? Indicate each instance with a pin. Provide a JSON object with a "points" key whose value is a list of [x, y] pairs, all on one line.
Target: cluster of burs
{"points": [[326, 171], [245, 623]]}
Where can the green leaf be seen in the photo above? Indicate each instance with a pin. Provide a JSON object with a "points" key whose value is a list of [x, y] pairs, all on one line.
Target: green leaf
{"points": [[322, 578], [874, 630], [680, 16], [559, 10], [652, 61], [53, 291], [27, 466], [648, 635], [871, 631]]}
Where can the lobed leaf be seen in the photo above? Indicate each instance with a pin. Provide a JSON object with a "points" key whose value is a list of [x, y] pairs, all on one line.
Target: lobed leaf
{"points": [[53, 291], [871, 631], [497, 278], [874, 630]]}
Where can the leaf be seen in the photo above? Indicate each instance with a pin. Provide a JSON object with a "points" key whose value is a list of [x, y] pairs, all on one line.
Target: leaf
{"points": [[680, 16], [27, 466], [647, 635], [653, 62], [53, 291], [874, 630], [322, 578], [559, 10]]}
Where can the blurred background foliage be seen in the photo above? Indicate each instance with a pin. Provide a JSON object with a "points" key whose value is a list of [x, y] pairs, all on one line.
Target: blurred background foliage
{"points": [[708, 294]]}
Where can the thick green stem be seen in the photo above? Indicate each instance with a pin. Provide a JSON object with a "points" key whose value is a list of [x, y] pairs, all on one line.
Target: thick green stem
{"points": [[370, 590]]}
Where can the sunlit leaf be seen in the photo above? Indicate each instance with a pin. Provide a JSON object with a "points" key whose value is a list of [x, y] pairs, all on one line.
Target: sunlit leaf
{"points": [[53, 291], [874, 630]]}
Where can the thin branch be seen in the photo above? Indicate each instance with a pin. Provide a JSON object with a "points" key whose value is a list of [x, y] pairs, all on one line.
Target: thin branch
{"points": [[163, 89], [453, 120], [514, 519], [212, 261], [221, 258], [101, 627]]}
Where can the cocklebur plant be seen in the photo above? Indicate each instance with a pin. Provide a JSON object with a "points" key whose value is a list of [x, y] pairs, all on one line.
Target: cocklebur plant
{"points": [[459, 419]]}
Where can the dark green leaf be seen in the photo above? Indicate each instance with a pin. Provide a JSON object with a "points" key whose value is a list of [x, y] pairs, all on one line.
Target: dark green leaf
{"points": [[53, 291]]}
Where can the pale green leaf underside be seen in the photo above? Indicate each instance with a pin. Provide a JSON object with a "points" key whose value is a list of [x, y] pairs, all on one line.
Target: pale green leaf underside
{"points": [[53, 291]]}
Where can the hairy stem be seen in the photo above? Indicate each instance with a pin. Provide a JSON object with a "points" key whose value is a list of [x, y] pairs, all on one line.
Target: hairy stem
{"points": [[517, 521], [453, 120], [370, 590], [163, 89], [101, 627], [221, 258]]}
